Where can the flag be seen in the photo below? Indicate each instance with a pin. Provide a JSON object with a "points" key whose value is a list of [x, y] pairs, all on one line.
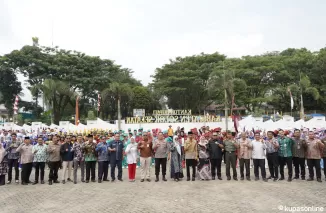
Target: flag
{"points": [[236, 123], [16, 105], [98, 102], [292, 103], [77, 112]]}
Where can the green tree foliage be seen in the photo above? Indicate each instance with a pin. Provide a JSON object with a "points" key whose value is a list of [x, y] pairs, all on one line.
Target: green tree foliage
{"points": [[55, 74], [257, 82]]}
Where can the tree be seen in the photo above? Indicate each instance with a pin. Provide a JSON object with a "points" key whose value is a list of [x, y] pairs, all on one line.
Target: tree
{"points": [[116, 91], [9, 87], [58, 94], [184, 81]]}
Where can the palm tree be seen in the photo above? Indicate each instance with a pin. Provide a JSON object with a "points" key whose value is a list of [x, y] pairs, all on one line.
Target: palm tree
{"points": [[224, 82], [115, 91], [56, 94]]}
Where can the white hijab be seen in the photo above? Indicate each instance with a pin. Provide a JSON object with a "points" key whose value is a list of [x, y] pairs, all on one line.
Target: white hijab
{"points": [[2, 152], [177, 144]]}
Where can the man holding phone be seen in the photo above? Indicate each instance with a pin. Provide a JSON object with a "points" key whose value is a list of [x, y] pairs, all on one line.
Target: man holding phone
{"points": [[145, 147]]}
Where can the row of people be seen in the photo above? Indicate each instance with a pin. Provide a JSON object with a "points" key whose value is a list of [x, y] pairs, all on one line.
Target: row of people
{"points": [[205, 155]]}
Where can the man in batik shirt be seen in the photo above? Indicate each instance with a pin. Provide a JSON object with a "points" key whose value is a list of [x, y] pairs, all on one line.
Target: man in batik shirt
{"points": [[79, 159]]}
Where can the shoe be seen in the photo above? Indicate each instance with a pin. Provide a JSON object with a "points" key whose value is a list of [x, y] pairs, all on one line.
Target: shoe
{"points": [[319, 180], [265, 179], [270, 177], [289, 179], [303, 178], [235, 178], [242, 178], [87, 181], [295, 178], [310, 179], [93, 181], [282, 178], [256, 178], [50, 182], [29, 181], [35, 183], [156, 179], [164, 179], [248, 179], [42, 182], [16, 181], [112, 180], [56, 181], [176, 180], [69, 180], [188, 178], [75, 182], [9, 182], [142, 180], [83, 181], [120, 179], [220, 178], [213, 178], [228, 178], [275, 179], [63, 182], [99, 181], [23, 183], [193, 179], [148, 180], [106, 180]]}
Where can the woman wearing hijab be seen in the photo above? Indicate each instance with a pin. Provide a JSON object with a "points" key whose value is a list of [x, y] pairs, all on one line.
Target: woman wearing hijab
{"points": [[203, 168], [132, 158], [3, 165], [176, 160]]}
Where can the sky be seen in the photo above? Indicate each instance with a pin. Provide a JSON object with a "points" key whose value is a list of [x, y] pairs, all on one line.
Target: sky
{"points": [[144, 34]]}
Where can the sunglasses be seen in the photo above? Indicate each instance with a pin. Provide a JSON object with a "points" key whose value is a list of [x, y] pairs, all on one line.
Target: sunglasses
{"points": [[214, 135]]}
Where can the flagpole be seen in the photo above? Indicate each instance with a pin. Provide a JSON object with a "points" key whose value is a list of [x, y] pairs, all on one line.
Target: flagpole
{"points": [[301, 101], [226, 107]]}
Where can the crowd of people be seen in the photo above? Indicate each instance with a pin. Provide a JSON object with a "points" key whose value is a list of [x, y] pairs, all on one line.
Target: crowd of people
{"points": [[201, 152]]}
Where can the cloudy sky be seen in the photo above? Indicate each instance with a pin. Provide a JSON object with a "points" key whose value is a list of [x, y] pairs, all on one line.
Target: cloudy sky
{"points": [[145, 34]]}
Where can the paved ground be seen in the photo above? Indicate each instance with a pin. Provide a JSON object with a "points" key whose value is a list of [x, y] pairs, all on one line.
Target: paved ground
{"points": [[198, 196]]}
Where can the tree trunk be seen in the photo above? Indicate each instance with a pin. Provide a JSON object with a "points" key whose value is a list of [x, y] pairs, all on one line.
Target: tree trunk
{"points": [[119, 114]]}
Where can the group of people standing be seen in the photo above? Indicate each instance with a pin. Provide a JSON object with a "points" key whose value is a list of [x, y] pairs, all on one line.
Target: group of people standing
{"points": [[201, 155]]}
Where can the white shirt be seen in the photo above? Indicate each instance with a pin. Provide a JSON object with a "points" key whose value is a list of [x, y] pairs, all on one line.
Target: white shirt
{"points": [[258, 149], [132, 153]]}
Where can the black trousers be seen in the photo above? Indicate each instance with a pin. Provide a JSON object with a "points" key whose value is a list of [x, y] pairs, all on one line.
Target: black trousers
{"points": [[231, 159], [259, 163], [191, 163], [299, 165], [244, 163], [90, 169], [285, 161], [216, 167], [26, 172], [54, 167], [113, 164], [311, 164], [103, 170], [272, 159], [2, 180], [158, 163], [39, 166], [13, 163]]}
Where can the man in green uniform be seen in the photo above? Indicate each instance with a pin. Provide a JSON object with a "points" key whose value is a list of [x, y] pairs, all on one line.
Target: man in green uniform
{"points": [[230, 147]]}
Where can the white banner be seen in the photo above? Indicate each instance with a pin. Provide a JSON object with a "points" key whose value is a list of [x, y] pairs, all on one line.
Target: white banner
{"points": [[139, 112], [36, 125], [91, 122], [64, 125], [8, 125]]}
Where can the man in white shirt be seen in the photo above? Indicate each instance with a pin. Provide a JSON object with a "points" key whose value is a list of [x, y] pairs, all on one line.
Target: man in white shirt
{"points": [[258, 156]]}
